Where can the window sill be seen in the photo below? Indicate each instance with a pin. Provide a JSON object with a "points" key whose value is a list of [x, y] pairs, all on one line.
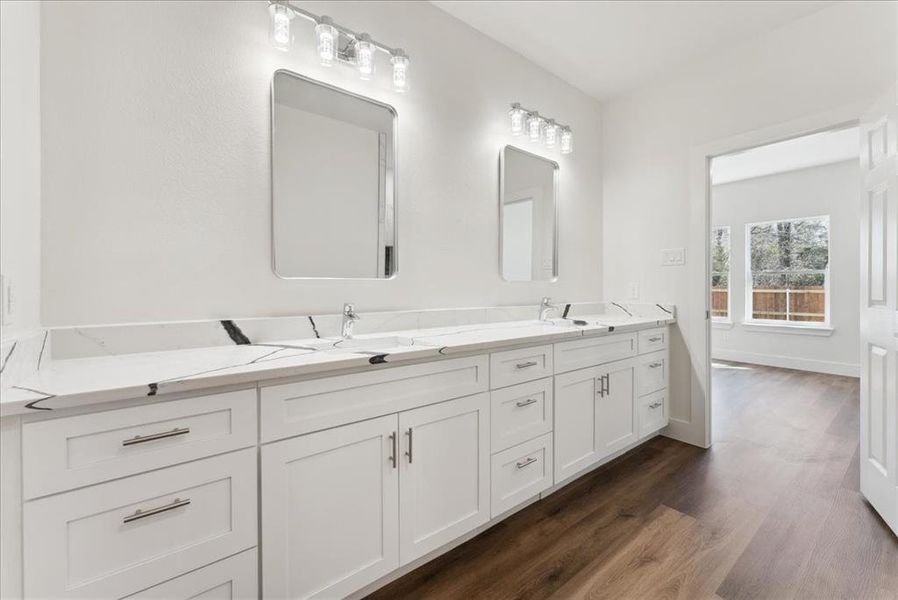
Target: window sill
{"points": [[762, 327], [721, 323]]}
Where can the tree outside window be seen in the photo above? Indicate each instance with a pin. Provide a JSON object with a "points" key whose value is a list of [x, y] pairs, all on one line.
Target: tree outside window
{"points": [[788, 274], [720, 273]]}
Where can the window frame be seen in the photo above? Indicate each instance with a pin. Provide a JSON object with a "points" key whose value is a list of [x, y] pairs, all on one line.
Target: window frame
{"points": [[729, 318], [749, 287]]}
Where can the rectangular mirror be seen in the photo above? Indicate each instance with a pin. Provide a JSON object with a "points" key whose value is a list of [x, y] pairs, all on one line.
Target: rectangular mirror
{"points": [[528, 235], [333, 182]]}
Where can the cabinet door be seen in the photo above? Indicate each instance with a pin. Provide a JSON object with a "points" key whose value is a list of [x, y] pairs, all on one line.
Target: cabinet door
{"points": [[575, 422], [616, 424], [330, 510], [444, 480]]}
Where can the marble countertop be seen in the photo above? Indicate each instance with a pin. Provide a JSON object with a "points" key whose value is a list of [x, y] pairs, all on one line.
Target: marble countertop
{"points": [[70, 383]]}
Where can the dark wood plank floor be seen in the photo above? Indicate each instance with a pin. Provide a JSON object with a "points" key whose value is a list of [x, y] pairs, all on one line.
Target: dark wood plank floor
{"points": [[771, 511]]}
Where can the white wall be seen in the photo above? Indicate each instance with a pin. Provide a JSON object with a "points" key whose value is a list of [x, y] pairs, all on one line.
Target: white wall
{"points": [[20, 153], [841, 55], [823, 190], [156, 162]]}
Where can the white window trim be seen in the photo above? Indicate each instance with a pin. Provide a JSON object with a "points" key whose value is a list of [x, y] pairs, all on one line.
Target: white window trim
{"points": [[771, 325], [722, 322]]}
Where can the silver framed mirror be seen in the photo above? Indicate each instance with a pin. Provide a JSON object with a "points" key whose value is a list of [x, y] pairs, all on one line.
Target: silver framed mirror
{"points": [[334, 176], [528, 216]]}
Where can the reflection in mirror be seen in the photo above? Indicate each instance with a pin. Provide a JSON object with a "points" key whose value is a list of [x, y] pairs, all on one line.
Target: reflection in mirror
{"points": [[527, 213], [333, 182]]}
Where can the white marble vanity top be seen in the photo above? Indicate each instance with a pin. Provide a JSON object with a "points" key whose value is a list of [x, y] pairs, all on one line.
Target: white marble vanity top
{"points": [[72, 382]]}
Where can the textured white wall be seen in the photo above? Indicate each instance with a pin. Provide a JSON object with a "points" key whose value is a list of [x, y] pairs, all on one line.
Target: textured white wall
{"points": [[835, 57], [156, 182], [823, 190], [20, 155]]}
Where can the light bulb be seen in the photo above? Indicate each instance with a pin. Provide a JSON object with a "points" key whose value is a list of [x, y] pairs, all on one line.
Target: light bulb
{"points": [[517, 119], [364, 55], [400, 71], [281, 36], [551, 133], [326, 38], [567, 141], [534, 126]]}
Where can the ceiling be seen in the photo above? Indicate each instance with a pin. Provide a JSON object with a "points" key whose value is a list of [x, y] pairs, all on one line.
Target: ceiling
{"points": [[798, 153], [608, 48]]}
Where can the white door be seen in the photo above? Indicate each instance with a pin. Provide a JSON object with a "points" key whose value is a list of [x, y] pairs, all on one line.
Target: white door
{"points": [[879, 319], [616, 425], [330, 521], [575, 422], [444, 474]]}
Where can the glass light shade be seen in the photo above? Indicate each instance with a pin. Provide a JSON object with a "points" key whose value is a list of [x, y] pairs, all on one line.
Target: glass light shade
{"points": [[281, 36], [516, 114], [400, 72], [567, 141], [364, 55], [550, 133], [534, 127], [326, 39]]}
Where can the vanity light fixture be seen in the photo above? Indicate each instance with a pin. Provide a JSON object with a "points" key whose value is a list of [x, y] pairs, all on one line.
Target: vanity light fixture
{"points": [[540, 129], [335, 43]]}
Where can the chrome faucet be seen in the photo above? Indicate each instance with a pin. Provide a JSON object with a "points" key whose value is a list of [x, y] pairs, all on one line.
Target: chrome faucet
{"points": [[349, 318], [545, 307]]}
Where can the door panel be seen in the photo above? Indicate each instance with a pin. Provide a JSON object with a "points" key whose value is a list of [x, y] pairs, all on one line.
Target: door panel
{"points": [[575, 422], [616, 423], [329, 510], [444, 479], [879, 311]]}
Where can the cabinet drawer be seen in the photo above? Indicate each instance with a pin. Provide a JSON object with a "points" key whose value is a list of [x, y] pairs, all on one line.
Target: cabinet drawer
{"points": [[653, 413], [520, 413], [579, 354], [62, 454], [233, 578], [521, 472], [651, 340], [295, 408], [124, 536], [520, 365], [651, 375]]}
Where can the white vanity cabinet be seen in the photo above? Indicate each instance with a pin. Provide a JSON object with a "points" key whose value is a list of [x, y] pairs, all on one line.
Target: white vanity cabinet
{"points": [[330, 510], [345, 506]]}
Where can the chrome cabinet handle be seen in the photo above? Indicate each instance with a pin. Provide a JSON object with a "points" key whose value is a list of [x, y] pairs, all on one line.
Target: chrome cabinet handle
{"points": [[140, 439], [409, 453], [608, 383], [524, 365], [526, 402], [656, 404], [524, 463], [394, 454], [655, 365], [603, 381], [656, 338], [143, 514]]}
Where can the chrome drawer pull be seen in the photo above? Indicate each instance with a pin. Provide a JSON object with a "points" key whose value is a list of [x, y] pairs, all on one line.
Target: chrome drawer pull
{"points": [[526, 402], [143, 514], [524, 365], [140, 439], [656, 338], [394, 455], [656, 404], [409, 453], [525, 463], [655, 365]]}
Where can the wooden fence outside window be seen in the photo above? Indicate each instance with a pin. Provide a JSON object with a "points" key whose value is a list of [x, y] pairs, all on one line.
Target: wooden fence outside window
{"points": [[802, 304]]}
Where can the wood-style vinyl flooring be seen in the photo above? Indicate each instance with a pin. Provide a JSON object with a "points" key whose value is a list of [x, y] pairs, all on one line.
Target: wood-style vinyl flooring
{"points": [[771, 511]]}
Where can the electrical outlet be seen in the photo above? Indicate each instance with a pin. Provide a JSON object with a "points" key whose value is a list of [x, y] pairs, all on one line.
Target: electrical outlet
{"points": [[7, 301], [634, 291], [673, 257]]}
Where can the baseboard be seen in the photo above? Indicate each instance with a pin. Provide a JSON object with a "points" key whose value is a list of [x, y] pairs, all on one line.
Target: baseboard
{"points": [[789, 362]]}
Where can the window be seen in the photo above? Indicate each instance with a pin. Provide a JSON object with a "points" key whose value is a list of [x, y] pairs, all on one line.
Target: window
{"points": [[788, 276], [720, 273]]}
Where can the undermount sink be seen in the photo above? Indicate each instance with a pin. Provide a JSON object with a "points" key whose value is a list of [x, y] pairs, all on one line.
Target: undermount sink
{"points": [[373, 343]]}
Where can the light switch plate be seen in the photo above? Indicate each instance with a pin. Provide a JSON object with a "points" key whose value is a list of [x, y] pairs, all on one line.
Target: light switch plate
{"points": [[673, 257]]}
